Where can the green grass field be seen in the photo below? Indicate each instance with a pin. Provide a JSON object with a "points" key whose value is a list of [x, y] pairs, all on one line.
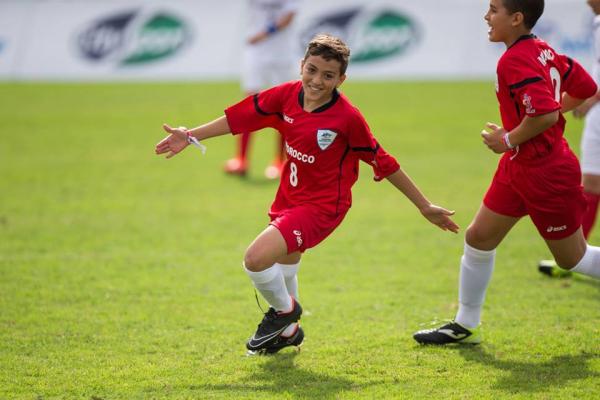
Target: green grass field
{"points": [[120, 272]]}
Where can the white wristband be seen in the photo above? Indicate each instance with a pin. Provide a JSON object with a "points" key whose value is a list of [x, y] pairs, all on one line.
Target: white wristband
{"points": [[192, 140], [507, 141]]}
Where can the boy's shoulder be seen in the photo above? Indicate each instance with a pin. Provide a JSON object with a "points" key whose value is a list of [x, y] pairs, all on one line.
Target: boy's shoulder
{"points": [[525, 52], [347, 106]]}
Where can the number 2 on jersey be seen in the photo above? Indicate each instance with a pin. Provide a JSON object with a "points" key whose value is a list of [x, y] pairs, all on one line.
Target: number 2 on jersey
{"points": [[555, 76]]}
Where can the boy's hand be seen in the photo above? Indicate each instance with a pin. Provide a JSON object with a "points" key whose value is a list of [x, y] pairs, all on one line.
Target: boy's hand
{"points": [[493, 139], [441, 217], [582, 110], [173, 143]]}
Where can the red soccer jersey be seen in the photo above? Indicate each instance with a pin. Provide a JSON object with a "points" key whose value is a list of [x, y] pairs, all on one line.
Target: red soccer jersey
{"points": [[323, 146], [531, 78]]}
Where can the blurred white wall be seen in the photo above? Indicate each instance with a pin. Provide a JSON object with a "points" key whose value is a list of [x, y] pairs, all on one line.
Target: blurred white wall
{"points": [[201, 39]]}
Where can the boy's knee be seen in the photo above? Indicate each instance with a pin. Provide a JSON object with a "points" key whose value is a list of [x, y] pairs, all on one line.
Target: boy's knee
{"points": [[478, 239], [253, 261], [250, 262]]}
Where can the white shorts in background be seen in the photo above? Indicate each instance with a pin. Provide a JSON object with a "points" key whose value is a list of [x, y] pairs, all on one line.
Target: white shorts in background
{"points": [[259, 73], [590, 142]]}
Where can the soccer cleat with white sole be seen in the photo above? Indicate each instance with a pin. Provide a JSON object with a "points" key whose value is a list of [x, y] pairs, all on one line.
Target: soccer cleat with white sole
{"points": [[452, 332], [295, 340], [272, 325]]}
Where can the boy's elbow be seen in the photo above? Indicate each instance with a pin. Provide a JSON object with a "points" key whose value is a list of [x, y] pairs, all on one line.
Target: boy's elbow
{"points": [[551, 118]]}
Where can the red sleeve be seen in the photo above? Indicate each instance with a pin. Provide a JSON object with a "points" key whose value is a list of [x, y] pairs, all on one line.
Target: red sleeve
{"points": [[529, 87], [256, 112], [363, 143], [577, 82]]}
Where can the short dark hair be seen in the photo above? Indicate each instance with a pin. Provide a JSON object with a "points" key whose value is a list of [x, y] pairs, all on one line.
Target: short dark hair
{"points": [[330, 48], [531, 9]]}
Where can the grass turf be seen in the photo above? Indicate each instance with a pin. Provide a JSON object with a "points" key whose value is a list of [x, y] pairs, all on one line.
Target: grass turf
{"points": [[120, 272]]}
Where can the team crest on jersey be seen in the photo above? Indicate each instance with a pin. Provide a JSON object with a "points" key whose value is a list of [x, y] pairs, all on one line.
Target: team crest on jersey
{"points": [[325, 137]]}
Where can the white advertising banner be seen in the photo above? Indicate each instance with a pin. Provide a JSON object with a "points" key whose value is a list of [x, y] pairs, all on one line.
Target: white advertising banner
{"points": [[202, 39]]}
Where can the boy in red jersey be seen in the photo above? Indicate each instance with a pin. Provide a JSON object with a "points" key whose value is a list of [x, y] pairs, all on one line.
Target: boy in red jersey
{"points": [[538, 175], [325, 137]]}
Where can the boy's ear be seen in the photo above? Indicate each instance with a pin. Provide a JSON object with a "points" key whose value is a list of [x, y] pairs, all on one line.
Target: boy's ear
{"points": [[301, 65], [518, 18], [342, 79]]}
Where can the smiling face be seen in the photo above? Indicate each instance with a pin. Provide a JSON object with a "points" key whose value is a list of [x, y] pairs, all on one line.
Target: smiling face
{"points": [[504, 26], [499, 21], [320, 77]]}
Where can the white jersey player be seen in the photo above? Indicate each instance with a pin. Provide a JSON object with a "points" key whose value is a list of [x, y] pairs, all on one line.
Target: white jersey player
{"points": [[590, 143], [590, 148], [268, 60]]}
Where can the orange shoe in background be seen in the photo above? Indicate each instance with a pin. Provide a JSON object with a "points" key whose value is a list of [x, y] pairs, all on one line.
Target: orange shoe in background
{"points": [[274, 170], [236, 166]]}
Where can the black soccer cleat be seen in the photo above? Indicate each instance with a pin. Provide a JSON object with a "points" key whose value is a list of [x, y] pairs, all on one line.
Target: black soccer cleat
{"points": [[452, 332], [295, 340], [272, 325]]}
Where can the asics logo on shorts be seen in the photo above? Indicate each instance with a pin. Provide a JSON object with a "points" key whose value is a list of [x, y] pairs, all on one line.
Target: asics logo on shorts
{"points": [[298, 237], [293, 153], [556, 228]]}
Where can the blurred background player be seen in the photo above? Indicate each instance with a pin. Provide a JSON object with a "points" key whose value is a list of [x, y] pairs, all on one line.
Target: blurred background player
{"points": [[590, 149], [538, 174], [267, 61]]}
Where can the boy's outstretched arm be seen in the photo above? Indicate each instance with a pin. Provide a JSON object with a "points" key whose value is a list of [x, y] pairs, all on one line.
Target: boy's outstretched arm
{"points": [[435, 214], [177, 140]]}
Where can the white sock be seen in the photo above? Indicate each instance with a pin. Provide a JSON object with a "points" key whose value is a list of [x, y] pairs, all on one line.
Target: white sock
{"points": [[290, 275], [271, 285], [476, 267], [590, 263]]}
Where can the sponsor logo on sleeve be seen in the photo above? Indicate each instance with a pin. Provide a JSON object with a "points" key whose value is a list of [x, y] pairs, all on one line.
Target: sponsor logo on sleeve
{"points": [[527, 103]]}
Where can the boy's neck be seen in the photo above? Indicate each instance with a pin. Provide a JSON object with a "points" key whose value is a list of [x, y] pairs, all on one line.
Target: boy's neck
{"points": [[310, 106], [515, 35]]}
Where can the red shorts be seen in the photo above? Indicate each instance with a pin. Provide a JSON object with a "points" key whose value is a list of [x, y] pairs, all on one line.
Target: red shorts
{"points": [[548, 190], [304, 227]]}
